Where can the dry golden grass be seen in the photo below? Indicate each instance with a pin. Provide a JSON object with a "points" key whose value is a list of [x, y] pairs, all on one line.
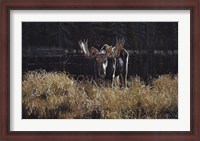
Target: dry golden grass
{"points": [[57, 95]]}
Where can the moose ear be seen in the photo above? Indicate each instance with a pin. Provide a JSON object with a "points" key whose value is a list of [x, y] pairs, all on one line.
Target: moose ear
{"points": [[94, 52]]}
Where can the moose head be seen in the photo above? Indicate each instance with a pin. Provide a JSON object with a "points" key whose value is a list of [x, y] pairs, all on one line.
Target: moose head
{"points": [[107, 60]]}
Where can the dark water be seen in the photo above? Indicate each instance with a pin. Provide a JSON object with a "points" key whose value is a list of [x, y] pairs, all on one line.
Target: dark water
{"points": [[144, 65]]}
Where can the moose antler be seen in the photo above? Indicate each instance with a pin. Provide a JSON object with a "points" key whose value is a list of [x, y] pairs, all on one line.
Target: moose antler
{"points": [[118, 47], [108, 50], [84, 47]]}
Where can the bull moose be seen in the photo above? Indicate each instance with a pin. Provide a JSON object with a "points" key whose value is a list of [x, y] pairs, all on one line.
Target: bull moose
{"points": [[109, 62]]}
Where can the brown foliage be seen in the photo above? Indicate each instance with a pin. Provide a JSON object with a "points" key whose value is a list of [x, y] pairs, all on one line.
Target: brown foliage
{"points": [[57, 95]]}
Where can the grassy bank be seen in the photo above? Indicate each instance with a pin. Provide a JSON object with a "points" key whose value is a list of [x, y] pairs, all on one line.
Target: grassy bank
{"points": [[57, 95]]}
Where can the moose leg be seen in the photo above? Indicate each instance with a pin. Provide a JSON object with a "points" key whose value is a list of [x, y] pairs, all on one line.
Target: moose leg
{"points": [[121, 80], [125, 73], [125, 79], [116, 81], [111, 82], [125, 70]]}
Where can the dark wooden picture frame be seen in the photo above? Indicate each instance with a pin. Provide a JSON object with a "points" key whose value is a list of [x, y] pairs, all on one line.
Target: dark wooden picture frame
{"points": [[192, 5]]}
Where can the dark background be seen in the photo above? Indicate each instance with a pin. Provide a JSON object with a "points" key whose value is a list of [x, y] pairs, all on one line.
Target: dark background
{"points": [[53, 46]]}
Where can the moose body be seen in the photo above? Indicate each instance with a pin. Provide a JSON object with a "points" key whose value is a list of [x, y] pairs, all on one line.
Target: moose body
{"points": [[109, 62]]}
